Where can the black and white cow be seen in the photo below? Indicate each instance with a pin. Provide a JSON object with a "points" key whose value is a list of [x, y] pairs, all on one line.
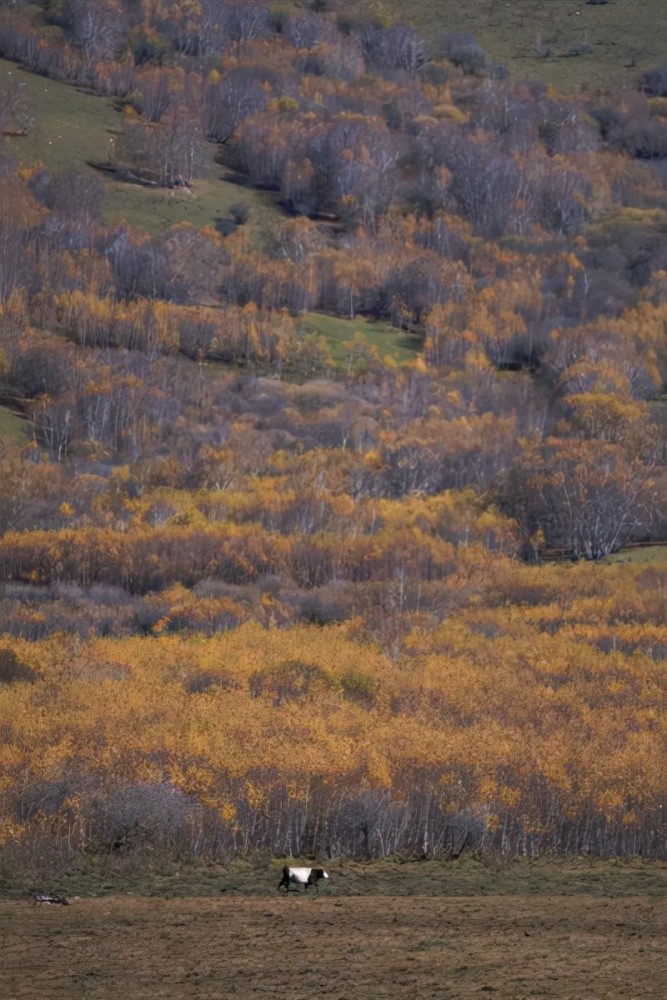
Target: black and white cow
{"points": [[301, 876]]}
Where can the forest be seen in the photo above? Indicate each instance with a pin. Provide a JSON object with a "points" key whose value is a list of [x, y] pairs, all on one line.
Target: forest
{"points": [[332, 523]]}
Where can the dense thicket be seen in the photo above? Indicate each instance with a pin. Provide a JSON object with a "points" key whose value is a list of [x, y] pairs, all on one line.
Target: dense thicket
{"points": [[392, 676]]}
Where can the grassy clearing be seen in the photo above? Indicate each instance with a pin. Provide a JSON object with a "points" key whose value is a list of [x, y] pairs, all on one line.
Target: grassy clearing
{"points": [[641, 555], [627, 36], [154, 209], [71, 127], [13, 427], [467, 876], [340, 335]]}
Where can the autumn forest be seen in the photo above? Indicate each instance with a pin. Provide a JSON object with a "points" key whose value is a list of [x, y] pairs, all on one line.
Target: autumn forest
{"points": [[333, 525]]}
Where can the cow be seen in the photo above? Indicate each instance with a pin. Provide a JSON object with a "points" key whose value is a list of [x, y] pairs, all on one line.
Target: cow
{"points": [[301, 876]]}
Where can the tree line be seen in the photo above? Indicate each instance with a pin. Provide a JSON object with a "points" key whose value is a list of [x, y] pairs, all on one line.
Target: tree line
{"points": [[511, 723]]}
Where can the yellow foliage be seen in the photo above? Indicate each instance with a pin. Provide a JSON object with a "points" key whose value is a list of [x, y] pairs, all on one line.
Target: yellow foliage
{"points": [[500, 697]]}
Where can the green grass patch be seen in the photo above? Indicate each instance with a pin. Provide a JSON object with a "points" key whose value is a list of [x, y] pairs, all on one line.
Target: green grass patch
{"points": [[626, 38], [622, 224], [153, 209], [641, 555], [13, 427], [71, 127], [344, 338], [467, 876]]}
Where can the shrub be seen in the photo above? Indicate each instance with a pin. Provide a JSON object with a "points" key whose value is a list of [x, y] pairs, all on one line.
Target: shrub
{"points": [[42, 798], [240, 212], [463, 49], [318, 610], [157, 815], [292, 680], [360, 688], [654, 80], [199, 683], [580, 48], [12, 671]]}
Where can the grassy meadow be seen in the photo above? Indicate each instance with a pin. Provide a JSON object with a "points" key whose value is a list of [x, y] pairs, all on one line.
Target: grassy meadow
{"points": [[13, 427], [341, 335], [641, 555], [626, 37], [468, 875]]}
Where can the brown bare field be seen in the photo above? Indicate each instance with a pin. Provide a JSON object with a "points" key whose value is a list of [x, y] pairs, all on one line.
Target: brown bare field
{"points": [[601, 939]]}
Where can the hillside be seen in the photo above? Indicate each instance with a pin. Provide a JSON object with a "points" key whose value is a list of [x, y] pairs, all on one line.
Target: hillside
{"points": [[332, 506], [572, 44]]}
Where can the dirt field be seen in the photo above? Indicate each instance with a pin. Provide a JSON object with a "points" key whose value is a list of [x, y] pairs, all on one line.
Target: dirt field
{"points": [[349, 942]]}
